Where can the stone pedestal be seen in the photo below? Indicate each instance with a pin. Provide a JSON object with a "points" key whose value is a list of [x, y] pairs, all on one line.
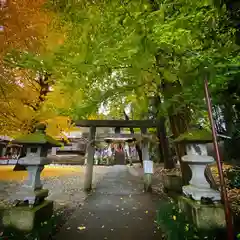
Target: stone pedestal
{"points": [[206, 217], [172, 183], [25, 219], [199, 187], [34, 180], [147, 182], [54, 151], [32, 191]]}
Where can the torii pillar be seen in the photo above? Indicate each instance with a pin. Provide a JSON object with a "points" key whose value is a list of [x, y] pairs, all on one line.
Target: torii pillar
{"points": [[147, 163], [90, 160]]}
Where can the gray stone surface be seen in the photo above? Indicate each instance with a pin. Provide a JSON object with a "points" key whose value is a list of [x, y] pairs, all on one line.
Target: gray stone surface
{"points": [[204, 216], [24, 218]]}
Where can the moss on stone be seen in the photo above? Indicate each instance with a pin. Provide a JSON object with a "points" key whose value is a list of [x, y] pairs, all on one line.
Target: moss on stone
{"points": [[37, 138], [195, 135]]}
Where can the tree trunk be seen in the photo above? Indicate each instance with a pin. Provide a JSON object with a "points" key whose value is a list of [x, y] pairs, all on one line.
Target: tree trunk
{"points": [[161, 130], [161, 133], [210, 178], [179, 125], [160, 150]]}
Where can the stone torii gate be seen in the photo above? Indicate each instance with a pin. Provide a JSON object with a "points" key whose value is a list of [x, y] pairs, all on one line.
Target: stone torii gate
{"points": [[93, 124]]}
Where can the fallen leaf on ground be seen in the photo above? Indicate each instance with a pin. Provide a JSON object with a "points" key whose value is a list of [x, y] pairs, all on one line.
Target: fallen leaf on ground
{"points": [[81, 228]]}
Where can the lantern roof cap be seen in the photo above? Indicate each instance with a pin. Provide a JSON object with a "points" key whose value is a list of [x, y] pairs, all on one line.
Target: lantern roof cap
{"points": [[195, 136], [39, 137]]}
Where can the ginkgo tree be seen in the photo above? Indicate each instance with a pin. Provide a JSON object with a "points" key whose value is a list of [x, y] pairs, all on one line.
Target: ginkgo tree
{"points": [[26, 81]]}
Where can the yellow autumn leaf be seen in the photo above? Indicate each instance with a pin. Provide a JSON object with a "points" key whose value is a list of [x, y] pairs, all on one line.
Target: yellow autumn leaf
{"points": [[81, 228]]}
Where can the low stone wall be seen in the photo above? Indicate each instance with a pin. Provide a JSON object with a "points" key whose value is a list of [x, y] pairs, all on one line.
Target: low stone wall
{"points": [[71, 160]]}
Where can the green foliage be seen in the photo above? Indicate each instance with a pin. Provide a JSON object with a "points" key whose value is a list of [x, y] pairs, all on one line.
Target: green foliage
{"points": [[118, 53], [176, 226], [117, 50]]}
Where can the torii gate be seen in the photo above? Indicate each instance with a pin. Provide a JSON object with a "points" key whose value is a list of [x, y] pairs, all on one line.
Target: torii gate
{"points": [[93, 124]]}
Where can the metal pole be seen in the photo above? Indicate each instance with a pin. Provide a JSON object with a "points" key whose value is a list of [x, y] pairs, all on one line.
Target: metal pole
{"points": [[228, 215]]}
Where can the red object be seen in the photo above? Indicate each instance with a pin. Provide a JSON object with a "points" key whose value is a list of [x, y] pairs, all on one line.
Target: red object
{"points": [[228, 215], [4, 158]]}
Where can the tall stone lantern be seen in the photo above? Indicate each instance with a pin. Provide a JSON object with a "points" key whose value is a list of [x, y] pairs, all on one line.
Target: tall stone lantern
{"points": [[201, 203], [37, 145], [197, 158]]}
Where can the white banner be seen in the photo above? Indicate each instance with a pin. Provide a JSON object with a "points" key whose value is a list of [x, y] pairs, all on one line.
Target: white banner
{"points": [[3, 162], [148, 166], [12, 161]]}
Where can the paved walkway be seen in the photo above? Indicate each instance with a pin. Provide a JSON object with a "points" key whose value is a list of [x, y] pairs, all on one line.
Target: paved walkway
{"points": [[118, 209]]}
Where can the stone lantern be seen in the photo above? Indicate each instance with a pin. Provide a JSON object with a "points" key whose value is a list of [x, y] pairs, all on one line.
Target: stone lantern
{"points": [[201, 203], [197, 158], [37, 145]]}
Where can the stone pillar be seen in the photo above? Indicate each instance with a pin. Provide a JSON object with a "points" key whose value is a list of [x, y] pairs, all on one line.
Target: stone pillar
{"points": [[4, 150], [90, 160], [34, 179], [147, 164], [128, 152], [54, 151]]}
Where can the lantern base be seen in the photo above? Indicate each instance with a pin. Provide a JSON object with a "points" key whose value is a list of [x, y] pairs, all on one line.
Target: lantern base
{"points": [[23, 218], [30, 196], [198, 193], [205, 217]]}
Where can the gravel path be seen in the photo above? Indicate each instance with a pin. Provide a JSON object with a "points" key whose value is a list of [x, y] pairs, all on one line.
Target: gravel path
{"points": [[64, 190]]}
